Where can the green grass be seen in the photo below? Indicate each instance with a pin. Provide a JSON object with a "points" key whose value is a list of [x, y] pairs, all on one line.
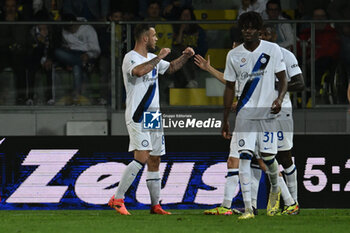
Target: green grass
{"points": [[309, 220]]}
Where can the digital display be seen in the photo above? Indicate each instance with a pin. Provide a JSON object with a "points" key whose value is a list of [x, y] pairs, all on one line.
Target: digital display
{"points": [[83, 173]]}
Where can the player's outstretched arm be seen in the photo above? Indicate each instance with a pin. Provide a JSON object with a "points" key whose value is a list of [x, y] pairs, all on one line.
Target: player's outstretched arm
{"points": [[282, 89], [146, 67], [205, 65], [176, 64], [229, 94]]}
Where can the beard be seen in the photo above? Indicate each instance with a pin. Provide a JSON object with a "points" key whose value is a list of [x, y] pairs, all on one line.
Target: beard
{"points": [[150, 48]]}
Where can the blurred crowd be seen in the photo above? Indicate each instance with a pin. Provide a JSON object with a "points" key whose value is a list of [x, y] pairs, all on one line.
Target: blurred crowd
{"points": [[82, 49]]}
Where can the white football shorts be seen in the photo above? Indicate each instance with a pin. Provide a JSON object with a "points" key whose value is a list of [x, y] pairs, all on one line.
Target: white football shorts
{"points": [[145, 139], [260, 133], [285, 132]]}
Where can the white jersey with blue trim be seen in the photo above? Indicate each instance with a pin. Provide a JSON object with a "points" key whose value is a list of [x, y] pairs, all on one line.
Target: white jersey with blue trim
{"points": [[254, 73], [292, 69], [142, 93]]}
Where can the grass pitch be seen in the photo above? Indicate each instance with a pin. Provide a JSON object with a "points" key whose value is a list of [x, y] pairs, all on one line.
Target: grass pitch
{"points": [[96, 221]]}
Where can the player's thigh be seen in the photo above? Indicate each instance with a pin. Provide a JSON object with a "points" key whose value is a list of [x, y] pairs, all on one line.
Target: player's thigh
{"points": [[139, 139], [284, 133], [267, 136]]}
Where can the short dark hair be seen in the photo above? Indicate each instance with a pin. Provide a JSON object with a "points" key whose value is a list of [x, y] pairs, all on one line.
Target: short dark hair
{"points": [[276, 2], [140, 29], [250, 17]]}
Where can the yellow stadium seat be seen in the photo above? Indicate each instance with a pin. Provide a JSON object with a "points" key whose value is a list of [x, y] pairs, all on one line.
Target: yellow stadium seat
{"points": [[217, 57], [192, 97], [216, 15]]}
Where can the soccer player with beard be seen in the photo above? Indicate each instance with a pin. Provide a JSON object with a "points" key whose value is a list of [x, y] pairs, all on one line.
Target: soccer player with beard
{"points": [[253, 66], [140, 72]]}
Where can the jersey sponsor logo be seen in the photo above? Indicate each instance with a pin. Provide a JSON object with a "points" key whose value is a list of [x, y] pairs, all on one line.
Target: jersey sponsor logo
{"points": [[243, 65], [249, 88]]}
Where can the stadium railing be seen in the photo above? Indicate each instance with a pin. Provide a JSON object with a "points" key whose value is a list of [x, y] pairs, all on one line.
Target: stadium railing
{"points": [[116, 101]]}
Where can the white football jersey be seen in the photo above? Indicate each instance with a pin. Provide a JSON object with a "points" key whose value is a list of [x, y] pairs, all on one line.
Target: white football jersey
{"points": [[292, 69], [254, 73], [142, 93]]}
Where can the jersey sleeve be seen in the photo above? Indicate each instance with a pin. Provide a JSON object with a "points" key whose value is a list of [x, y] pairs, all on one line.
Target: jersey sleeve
{"points": [[291, 65], [163, 66], [279, 62], [130, 63], [229, 73]]}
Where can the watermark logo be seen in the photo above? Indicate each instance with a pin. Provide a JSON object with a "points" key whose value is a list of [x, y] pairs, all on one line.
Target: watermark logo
{"points": [[152, 120]]}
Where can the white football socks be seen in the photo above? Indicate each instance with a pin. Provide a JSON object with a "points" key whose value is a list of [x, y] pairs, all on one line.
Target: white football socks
{"points": [[244, 177], [230, 187], [272, 172], [287, 198], [255, 180], [291, 180], [128, 177], [153, 184]]}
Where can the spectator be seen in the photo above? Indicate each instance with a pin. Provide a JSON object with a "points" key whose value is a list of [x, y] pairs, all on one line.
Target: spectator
{"points": [[258, 6], [13, 47], [164, 31], [284, 30], [326, 45], [80, 50], [245, 7], [172, 8], [91, 10], [188, 35], [40, 57], [104, 37], [51, 6]]}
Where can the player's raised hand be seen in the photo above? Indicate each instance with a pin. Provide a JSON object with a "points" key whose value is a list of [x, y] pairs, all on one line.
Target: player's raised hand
{"points": [[225, 131], [201, 62], [188, 51], [164, 52], [276, 106]]}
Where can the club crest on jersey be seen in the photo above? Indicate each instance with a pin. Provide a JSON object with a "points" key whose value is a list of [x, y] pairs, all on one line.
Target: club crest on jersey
{"points": [[243, 60], [145, 143], [263, 60]]}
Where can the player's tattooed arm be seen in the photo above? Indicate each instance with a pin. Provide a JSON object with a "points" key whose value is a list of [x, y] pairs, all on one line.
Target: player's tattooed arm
{"points": [[176, 64], [229, 94], [296, 83], [146, 67]]}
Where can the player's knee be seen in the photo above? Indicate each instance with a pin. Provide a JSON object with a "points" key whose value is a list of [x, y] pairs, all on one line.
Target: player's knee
{"points": [[284, 158], [268, 160], [246, 155], [232, 162], [153, 163]]}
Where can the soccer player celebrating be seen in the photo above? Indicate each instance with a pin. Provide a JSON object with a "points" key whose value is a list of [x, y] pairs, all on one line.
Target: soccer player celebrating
{"points": [[285, 121], [140, 72], [254, 65], [295, 84]]}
